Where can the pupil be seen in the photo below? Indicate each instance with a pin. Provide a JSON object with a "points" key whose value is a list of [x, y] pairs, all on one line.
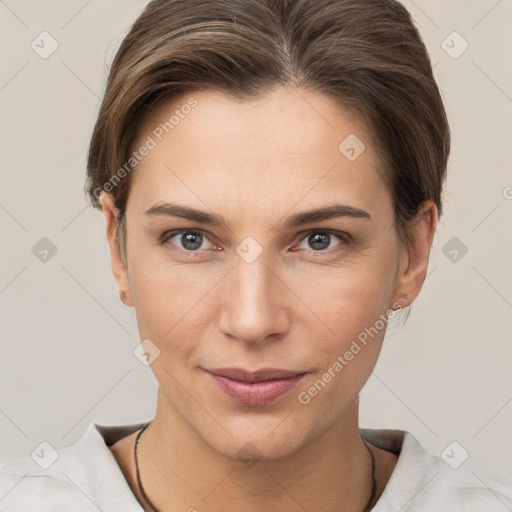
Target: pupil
{"points": [[320, 240], [191, 240]]}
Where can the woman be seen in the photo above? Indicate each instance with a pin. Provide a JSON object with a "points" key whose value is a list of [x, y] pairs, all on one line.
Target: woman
{"points": [[270, 174]]}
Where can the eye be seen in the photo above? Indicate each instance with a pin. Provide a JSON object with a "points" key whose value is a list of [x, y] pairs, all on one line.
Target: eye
{"points": [[190, 240], [319, 241]]}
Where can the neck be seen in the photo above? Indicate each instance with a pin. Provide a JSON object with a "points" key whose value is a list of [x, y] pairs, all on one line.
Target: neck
{"points": [[332, 471]]}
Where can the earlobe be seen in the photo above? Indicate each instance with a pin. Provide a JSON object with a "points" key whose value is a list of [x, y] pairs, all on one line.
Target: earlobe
{"points": [[124, 298], [111, 217], [414, 259]]}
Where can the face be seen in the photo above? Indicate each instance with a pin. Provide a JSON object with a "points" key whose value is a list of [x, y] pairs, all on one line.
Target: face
{"points": [[229, 275]]}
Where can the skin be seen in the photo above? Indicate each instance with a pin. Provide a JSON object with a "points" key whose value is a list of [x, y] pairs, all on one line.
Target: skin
{"points": [[297, 307]]}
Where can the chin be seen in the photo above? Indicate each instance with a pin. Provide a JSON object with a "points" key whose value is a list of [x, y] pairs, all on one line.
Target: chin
{"points": [[250, 449], [256, 439]]}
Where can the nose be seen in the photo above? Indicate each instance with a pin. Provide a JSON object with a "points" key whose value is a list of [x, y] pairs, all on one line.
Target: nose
{"points": [[256, 303]]}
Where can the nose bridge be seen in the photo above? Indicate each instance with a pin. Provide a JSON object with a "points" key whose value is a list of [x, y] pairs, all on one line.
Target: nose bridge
{"points": [[253, 308]]}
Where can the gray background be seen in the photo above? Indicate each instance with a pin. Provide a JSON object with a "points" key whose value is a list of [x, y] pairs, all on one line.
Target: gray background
{"points": [[66, 339]]}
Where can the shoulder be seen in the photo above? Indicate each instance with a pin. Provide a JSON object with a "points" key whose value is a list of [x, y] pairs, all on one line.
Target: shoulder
{"points": [[81, 477], [24, 485], [423, 482], [464, 488]]}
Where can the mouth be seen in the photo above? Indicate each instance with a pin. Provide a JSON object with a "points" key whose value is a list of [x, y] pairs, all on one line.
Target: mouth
{"points": [[259, 387]]}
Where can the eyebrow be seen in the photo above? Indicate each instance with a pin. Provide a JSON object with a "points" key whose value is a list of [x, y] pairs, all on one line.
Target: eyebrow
{"points": [[201, 217]]}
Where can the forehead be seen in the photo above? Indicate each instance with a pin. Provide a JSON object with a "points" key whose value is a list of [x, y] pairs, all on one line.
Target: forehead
{"points": [[287, 143]]}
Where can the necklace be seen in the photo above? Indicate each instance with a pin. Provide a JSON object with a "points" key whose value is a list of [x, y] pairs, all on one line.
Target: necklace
{"points": [[374, 483], [139, 483], [154, 509]]}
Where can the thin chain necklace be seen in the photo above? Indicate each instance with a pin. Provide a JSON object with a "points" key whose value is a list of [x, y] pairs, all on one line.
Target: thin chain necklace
{"points": [[154, 509], [139, 483]]}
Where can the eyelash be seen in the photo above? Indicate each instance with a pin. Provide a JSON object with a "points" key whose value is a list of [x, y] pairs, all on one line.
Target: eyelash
{"points": [[344, 237]]}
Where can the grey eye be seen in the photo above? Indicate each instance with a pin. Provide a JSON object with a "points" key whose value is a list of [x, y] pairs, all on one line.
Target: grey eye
{"points": [[189, 240], [319, 241]]}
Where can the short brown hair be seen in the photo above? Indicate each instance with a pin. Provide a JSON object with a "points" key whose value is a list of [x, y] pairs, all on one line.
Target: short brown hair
{"points": [[365, 54]]}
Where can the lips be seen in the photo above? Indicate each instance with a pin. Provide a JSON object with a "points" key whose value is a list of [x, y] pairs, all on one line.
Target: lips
{"points": [[255, 387]]}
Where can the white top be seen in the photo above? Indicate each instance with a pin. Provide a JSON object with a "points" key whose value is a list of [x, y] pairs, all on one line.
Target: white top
{"points": [[85, 477]]}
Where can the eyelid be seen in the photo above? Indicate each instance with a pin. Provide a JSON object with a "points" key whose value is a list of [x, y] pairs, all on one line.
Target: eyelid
{"points": [[312, 231]]}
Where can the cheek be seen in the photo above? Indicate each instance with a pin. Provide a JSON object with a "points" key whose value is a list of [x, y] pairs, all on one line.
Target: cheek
{"points": [[348, 298], [350, 305], [170, 300], [354, 310]]}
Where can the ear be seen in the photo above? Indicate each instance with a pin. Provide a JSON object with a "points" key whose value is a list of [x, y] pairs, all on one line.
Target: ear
{"points": [[111, 215], [414, 259]]}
